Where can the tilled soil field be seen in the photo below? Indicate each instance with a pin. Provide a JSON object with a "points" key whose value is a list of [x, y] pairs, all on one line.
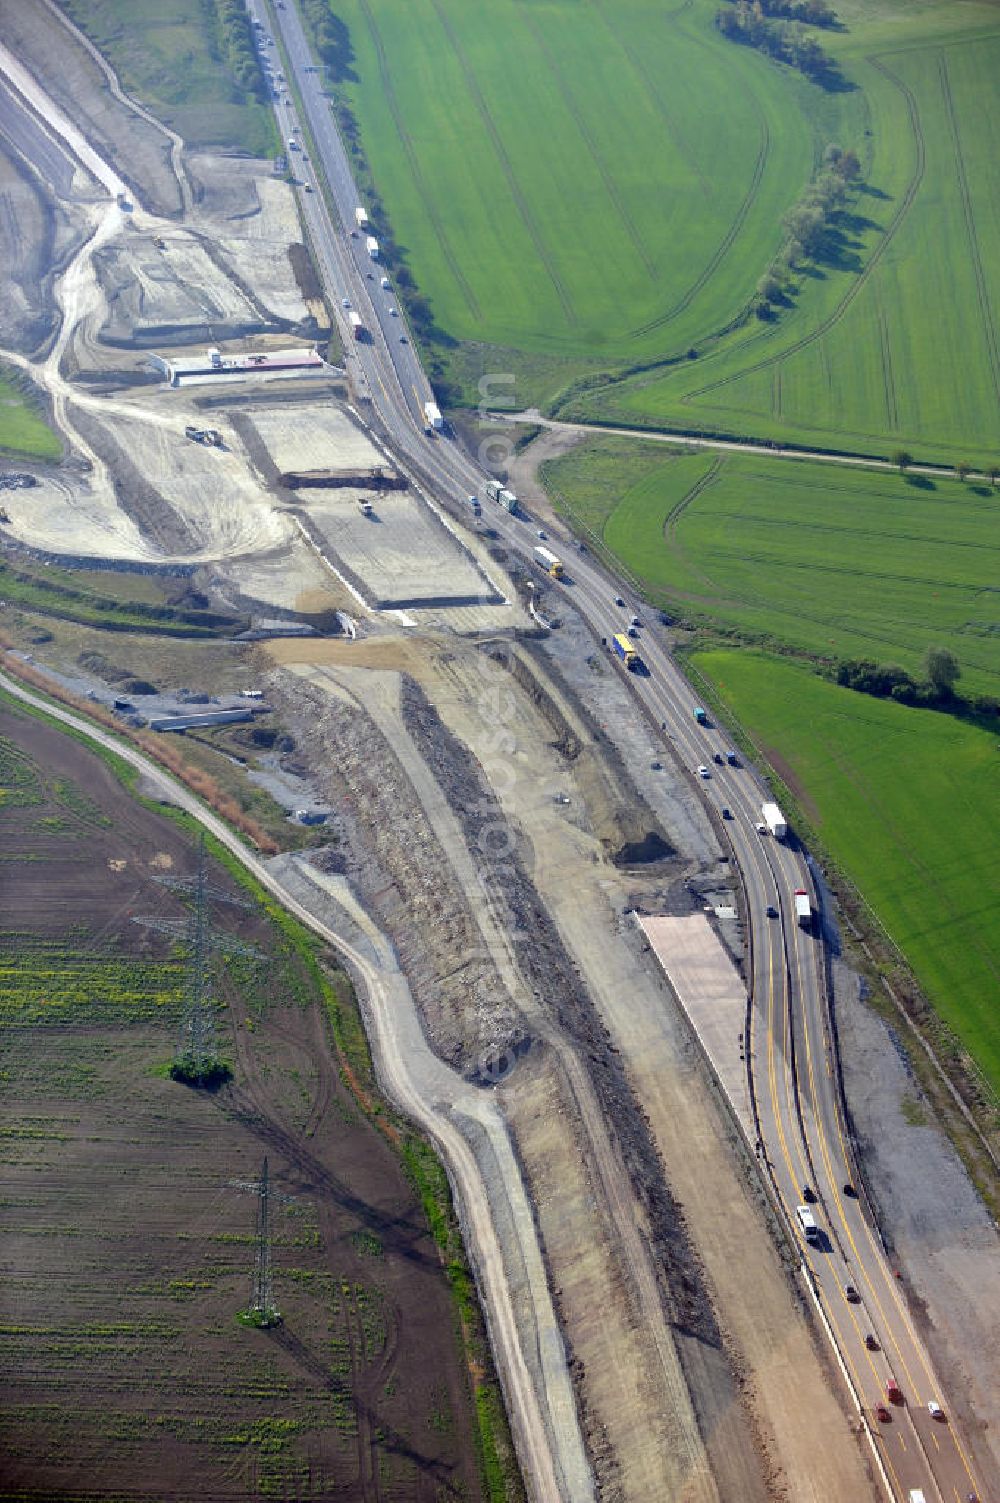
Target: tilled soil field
{"points": [[129, 1250]]}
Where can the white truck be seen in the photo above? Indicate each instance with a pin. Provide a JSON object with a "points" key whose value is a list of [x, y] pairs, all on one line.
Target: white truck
{"points": [[360, 217], [357, 327], [807, 1221], [803, 909], [546, 559], [432, 416], [371, 245], [775, 820]]}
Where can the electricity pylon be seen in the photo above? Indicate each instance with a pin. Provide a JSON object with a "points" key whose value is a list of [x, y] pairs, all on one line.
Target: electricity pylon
{"points": [[262, 1311], [197, 1060]]}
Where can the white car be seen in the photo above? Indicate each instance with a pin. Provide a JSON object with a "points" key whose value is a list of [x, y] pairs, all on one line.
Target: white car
{"points": [[703, 771], [345, 302], [934, 1409], [392, 313], [540, 534], [761, 829]]}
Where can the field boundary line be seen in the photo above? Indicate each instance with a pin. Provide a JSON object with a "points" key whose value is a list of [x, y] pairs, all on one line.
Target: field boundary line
{"points": [[864, 275], [985, 308], [406, 141], [479, 100]]}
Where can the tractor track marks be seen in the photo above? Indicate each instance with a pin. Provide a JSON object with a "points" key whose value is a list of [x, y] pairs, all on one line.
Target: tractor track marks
{"points": [[985, 307], [724, 246], [406, 141], [652, 92], [489, 124], [864, 276], [888, 380], [610, 186]]}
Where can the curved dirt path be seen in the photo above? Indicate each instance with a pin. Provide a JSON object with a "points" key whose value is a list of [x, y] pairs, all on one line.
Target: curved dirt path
{"points": [[544, 1423], [115, 88]]}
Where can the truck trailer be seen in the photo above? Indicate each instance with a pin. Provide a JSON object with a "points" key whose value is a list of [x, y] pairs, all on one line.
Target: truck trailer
{"points": [[371, 245], [623, 648], [803, 909], [361, 218], [807, 1222], [508, 501], [432, 416], [775, 820], [492, 489], [547, 560], [357, 327]]}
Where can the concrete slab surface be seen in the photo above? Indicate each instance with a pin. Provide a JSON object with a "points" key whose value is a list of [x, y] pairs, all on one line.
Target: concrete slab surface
{"points": [[709, 988]]}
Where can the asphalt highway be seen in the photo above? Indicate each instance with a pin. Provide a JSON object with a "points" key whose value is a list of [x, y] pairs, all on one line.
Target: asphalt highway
{"points": [[789, 1055]]}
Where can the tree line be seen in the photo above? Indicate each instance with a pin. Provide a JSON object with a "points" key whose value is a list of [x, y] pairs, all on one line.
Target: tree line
{"points": [[807, 225], [811, 12], [332, 39], [748, 21], [936, 691], [238, 45]]}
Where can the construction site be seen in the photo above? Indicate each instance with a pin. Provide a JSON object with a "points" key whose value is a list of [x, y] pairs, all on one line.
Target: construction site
{"points": [[502, 832]]}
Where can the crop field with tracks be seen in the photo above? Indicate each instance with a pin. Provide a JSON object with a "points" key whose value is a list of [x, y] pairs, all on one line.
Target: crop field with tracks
{"points": [[895, 338], [593, 191], [839, 563], [128, 1248], [904, 800], [560, 187]]}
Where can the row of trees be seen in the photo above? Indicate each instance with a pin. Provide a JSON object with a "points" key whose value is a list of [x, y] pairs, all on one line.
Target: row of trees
{"points": [[238, 44], [902, 458], [807, 224], [812, 12], [936, 690], [785, 41]]}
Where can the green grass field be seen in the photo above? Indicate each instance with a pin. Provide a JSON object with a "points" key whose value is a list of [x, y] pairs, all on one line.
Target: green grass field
{"points": [[836, 562], [167, 54], [563, 195], [899, 340], [572, 205], [22, 430], [905, 801]]}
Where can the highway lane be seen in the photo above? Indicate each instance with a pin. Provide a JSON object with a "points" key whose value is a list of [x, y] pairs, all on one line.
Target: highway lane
{"points": [[796, 1089]]}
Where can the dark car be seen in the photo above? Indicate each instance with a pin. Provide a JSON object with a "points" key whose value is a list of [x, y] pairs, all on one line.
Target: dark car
{"points": [[772, 912], [851, 1295], [850, 1191], [619, 600], [882, 1413], [727, 813], [808, 1193], [871, 1342], [717, 758]]}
